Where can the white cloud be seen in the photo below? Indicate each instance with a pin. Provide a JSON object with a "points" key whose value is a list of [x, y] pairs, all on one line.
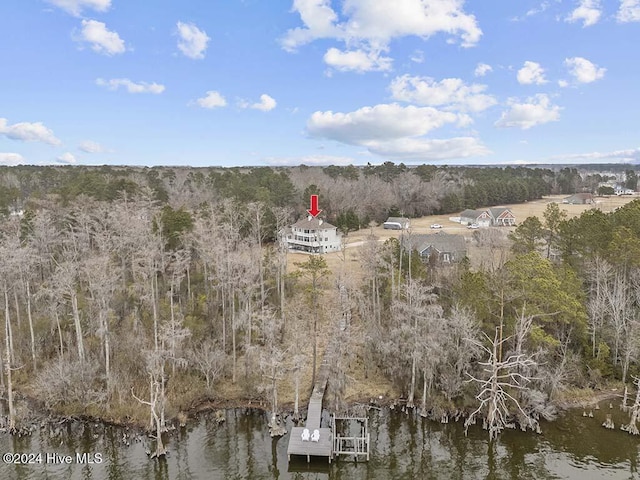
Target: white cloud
{"points": [[75, 7], [67, 158], [536, 110], [536, 10], [533, 11], [583, 70], [450, 92], [563, 83], [617, 156], [629, 11], [530, 73], [102, 39], [395, 131], [193, 41], [357, 60], [587, 11], [211, 100], [381, 122], [430, 149], [369, 25], [319, 22], [11, 159], [417, 56], [375, 21], [28, 132], [89, 146], [311, 160], [482, 69], [131, 87], [265, 104]]}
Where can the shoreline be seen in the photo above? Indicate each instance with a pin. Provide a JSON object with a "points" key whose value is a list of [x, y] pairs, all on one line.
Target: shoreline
{"points": [[40, 417]]}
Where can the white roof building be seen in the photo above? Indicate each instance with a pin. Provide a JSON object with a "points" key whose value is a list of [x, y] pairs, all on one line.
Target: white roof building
{"points": [[313, 235]]}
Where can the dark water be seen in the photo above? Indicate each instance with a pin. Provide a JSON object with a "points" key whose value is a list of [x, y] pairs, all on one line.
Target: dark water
{"points": [[403, 447]]}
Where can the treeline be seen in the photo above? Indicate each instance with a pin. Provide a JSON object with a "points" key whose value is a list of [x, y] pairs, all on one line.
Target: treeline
{"points": [[106, 302], [603, 251], [350, 196], [554, 307]]}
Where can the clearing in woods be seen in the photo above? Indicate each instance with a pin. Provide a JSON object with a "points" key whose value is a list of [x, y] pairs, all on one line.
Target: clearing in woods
{"points": [[354, 240]]}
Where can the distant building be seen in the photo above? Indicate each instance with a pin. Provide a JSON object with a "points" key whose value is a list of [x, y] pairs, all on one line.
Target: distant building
{"points": [[579, 199], [396, 223], [447, 248], [502, 217], [490, 217], [479, 217], [313, 235]]}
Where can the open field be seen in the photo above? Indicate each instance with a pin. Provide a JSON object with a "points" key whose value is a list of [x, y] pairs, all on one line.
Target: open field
{"points": [[347, 260], [520, 210]]}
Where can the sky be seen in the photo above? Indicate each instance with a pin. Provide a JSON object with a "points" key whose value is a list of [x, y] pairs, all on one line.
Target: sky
{"points": [[319, 82]]}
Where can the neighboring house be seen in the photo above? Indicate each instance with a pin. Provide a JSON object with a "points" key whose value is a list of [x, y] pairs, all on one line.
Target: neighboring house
{"points": [[447, 248], [480, 217], [490, 217], [579, 199], [313, 235], [396, 223], [502, 217]]}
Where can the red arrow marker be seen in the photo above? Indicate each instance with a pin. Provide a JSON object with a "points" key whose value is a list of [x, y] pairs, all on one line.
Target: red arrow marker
{"points": [[314, 211]]}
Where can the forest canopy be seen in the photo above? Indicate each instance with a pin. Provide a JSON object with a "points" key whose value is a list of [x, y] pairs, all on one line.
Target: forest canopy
{"points": [[171, 280]]}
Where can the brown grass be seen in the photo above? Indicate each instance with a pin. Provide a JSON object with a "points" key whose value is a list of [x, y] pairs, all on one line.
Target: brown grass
{"points": [[337, 261]]}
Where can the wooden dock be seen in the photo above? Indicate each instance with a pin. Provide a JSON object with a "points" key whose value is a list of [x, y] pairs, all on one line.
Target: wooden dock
{"points": [[324, 446], [307, 448], [356, 445], [330, 444]]}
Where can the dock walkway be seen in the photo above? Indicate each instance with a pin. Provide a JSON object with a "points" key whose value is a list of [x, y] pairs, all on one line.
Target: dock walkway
{"points": [[324, 446]]}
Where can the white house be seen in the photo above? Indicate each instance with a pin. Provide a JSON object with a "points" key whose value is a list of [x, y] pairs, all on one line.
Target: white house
{"points": [[313, 235]]}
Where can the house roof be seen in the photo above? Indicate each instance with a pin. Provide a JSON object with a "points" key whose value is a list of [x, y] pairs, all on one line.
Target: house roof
{"points": [[443, 242], [471, 213], [580, 196], [495, 212], [397, 220], [313, 223]]}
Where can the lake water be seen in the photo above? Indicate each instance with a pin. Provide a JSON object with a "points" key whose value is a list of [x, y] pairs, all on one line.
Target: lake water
{"points": [[404, 446]]}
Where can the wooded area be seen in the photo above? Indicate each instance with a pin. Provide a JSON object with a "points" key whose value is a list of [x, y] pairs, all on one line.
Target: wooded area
{"points": [[163, 285]]}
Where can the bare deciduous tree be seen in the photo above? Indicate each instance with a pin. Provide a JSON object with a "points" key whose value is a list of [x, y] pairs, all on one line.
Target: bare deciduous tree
{"points": [[632, 427], [502, 378], [209, 358]]}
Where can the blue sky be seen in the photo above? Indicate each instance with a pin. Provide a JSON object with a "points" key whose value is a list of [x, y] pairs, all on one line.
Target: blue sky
{"points": [[284, 82]]}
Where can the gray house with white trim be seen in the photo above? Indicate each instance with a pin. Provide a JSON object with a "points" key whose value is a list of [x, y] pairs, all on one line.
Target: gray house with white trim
{"points": [[446, 247], [491, 217], [502, 217], [479, 217]]}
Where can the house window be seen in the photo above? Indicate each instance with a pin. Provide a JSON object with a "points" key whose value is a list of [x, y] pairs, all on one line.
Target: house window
{"points": [[445, 257], [326, 239]]}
